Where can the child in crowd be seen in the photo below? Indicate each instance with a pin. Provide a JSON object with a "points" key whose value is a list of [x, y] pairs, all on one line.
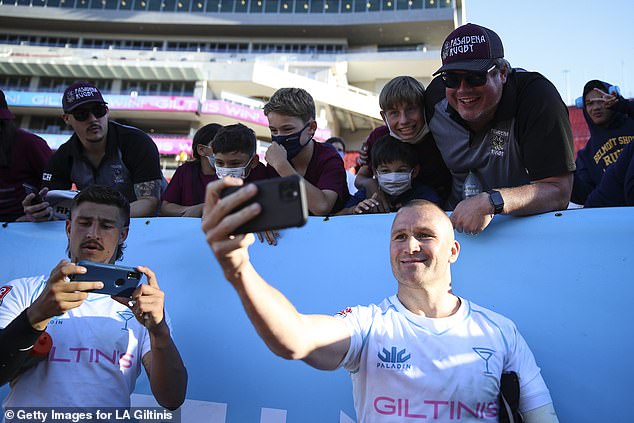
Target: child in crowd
{"points": [[185, 194], [395, 170], [338, 144], [291, 116], [235, 155], [611, 125], [219, 151], [402, 109]]}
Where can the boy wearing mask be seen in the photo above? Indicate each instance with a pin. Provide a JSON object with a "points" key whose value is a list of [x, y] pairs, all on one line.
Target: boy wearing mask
{"points": [[291, 116], [234, 148], [218, 151], [185, 193], [395, 171]]}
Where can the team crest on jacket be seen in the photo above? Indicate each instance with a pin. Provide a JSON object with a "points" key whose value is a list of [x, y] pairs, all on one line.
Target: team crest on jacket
{"points": [[4, 290]]}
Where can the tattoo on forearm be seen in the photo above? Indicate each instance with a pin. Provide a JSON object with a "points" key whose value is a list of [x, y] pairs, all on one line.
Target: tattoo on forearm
{"points": [[150, 189]]}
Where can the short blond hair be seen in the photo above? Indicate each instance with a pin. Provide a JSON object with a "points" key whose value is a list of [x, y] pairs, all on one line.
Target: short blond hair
{"points": [[294, 102], [402, 90]]}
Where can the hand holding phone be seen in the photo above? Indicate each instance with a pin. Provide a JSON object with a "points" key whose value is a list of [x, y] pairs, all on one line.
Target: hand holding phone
{"points": [[118, 281], [283, 204], [59, 294], [30, 189]]}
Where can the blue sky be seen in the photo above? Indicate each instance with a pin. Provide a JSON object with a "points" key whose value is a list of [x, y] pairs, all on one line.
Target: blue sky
{"points": [[590, 39]]}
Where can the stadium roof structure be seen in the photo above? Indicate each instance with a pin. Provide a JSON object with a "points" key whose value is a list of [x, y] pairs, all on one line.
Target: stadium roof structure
{"points": [[341, 51]]}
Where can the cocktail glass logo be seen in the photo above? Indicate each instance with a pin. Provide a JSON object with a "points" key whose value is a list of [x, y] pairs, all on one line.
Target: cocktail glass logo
{"points": [[485, 354], [125, 315]]}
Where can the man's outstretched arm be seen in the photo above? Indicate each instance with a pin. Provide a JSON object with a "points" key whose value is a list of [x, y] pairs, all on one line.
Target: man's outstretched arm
{"points": [[321, 341], [474, 214]]}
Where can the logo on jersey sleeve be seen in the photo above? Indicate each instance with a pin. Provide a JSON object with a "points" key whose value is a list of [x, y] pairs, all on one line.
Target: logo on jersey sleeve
{"points": [[4, 290], [344, 312], [394, 359]]}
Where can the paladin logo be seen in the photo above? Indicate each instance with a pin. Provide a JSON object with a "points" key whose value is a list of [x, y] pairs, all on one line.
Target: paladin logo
{"points": [[57, 320], [393, 359]]}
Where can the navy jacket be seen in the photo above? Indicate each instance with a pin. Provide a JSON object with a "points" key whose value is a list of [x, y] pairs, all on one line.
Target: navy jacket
{"points": [[617, 186], [604, 146]]}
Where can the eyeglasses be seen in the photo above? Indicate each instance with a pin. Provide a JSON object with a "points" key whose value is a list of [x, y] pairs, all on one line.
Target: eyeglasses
{"points": [[206, 150], [473, 79], [97, 111]]}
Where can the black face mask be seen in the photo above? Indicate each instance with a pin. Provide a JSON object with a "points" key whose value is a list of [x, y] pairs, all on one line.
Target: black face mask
{"points": [[291, 142]]}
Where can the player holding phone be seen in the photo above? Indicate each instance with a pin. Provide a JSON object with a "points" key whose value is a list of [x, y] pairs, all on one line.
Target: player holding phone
{"points": [[396, 351], [136, 327]]}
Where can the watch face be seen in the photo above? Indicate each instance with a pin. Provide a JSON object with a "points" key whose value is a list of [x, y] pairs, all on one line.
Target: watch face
{"points": [[496, 201]]}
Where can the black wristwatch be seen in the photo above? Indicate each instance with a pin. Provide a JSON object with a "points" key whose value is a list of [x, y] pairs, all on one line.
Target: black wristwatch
{"points": [[496, 201]]}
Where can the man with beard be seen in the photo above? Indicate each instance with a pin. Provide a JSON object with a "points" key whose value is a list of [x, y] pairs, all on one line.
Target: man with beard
{"points": [[100, 152], [99, 343]]}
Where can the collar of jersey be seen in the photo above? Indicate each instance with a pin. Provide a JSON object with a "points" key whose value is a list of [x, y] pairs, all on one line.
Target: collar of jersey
{"points": [[437, 326]]}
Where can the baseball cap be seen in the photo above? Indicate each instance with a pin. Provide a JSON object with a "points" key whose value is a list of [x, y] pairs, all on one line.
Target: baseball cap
{"points": [[79, 93], [470, 47], [5, 113]]}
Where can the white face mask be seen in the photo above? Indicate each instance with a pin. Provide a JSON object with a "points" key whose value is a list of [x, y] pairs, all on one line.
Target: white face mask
{"points": [[212, 161], [237, 172], [415, 140], [395, 183]]}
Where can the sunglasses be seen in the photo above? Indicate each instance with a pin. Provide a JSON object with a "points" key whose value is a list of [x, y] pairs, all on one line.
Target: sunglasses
{"points": [[97, 111], [473, 79]]}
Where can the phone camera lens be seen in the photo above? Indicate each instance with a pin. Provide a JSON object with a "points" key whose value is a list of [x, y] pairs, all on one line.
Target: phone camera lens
{"points": [[119, 282], [288, 191]]}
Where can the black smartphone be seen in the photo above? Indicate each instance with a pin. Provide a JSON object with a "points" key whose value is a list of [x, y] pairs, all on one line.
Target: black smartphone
{"points": [[30, 189], [120, 281], [283, 202]]}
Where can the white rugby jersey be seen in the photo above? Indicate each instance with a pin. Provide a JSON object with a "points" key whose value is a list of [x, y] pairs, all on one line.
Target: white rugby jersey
{"points": [[410, 368], [96, 355]]}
